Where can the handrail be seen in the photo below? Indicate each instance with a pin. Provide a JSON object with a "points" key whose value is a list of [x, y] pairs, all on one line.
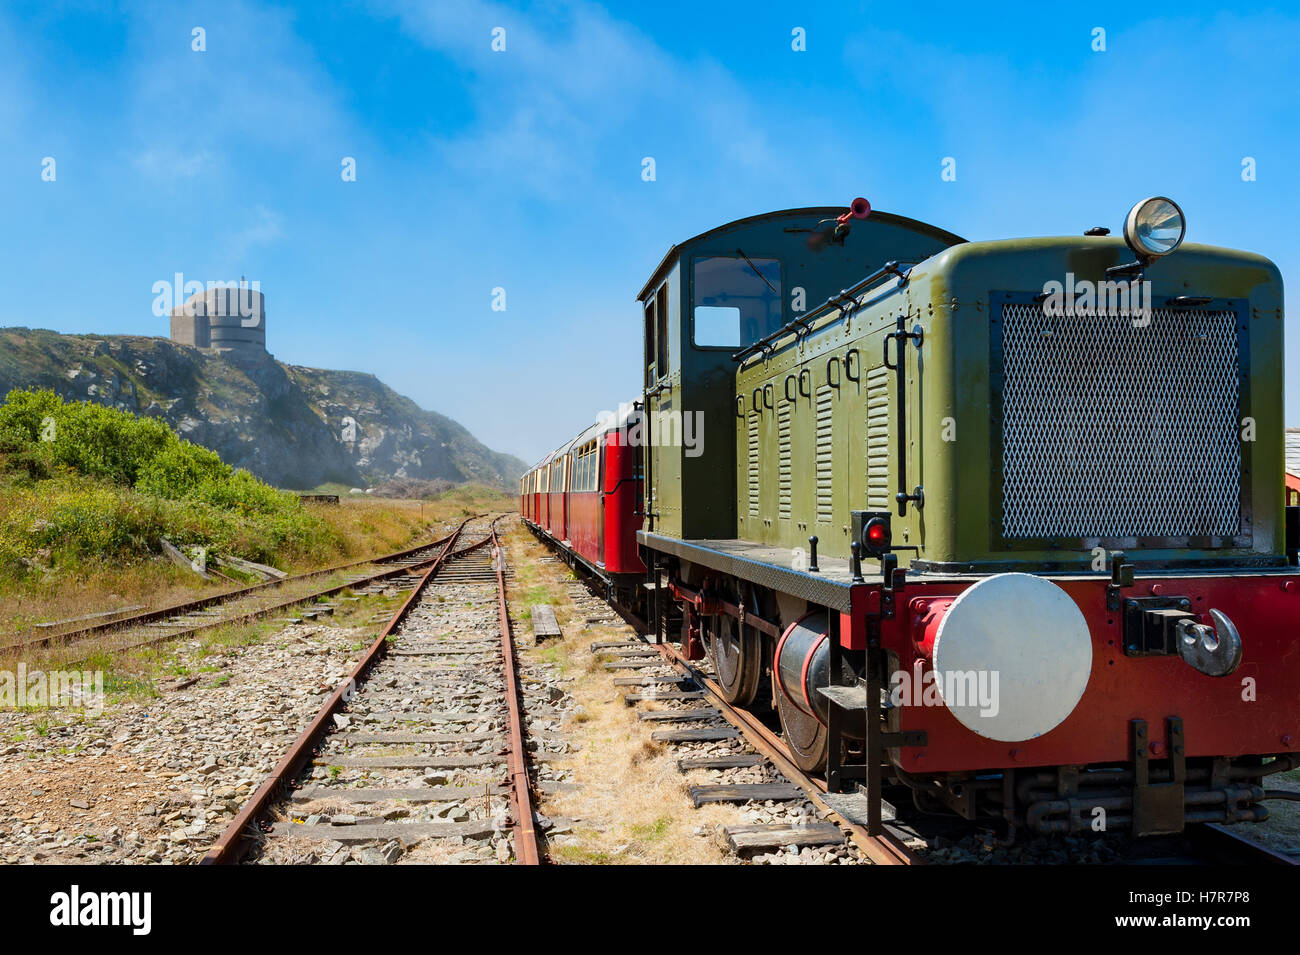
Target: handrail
{"points": [[841, 299]]}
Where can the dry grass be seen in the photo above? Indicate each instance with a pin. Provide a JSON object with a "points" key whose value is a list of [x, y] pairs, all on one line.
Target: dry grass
{"points": [[375, 524], [632, 806], [369, 526], [138, 673]]}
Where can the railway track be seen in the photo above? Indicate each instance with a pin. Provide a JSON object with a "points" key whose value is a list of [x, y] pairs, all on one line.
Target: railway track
{"points": [[687, 709], [400, 569], [422, 750]]}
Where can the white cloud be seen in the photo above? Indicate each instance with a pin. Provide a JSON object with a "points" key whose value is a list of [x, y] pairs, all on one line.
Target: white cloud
{"points": [[257, 82], [573, 87], [169, 163], [265, 226]]}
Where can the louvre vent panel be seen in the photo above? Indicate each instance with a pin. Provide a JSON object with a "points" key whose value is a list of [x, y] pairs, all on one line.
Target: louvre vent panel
{"points": [[1116, 431], [877, 439], [753, 463], [784, 467], [825, 453]]}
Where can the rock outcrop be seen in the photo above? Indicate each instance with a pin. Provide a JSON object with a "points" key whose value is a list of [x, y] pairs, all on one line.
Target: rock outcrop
{"points": [[293, 427]]}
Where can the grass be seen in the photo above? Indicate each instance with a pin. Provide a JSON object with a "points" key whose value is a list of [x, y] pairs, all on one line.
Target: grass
{"points": [[367, 527], [82, 515], [134, 675], [646, 818], [556, 657], [85, 568], [580, 854], [653, 831], [82, 482]]}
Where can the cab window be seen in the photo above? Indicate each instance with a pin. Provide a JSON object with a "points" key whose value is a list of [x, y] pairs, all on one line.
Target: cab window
{"points": [[650, 375], [737, 300]]}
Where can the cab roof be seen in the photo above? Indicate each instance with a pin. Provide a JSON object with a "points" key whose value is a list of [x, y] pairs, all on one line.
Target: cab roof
{"points": [[809, 212]]}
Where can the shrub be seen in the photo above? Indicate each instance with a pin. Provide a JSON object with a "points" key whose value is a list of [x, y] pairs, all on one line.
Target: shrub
{"points": [[105, 483], [89, 438], [179, 469]]}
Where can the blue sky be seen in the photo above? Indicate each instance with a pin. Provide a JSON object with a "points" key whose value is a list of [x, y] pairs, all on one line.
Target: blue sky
{"points": [[522, 169]]}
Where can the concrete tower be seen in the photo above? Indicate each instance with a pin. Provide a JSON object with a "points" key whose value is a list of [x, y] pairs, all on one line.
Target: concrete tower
{"points": [[229, 320]]}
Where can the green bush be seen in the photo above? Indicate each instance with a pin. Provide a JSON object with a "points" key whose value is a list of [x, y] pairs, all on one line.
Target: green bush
{"points": [[179, 469], [97, 482]]}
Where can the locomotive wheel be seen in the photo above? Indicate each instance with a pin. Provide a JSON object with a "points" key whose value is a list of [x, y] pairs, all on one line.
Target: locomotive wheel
{"points": [[804, 736], [737, 658]]}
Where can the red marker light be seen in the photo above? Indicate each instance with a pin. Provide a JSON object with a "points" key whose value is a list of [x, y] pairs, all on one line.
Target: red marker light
{"points": [[876, 536]]}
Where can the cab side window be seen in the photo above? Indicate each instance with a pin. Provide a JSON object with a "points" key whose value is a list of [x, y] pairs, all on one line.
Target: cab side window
{"points": [[661, 333], [650, 350], [736, 299]]}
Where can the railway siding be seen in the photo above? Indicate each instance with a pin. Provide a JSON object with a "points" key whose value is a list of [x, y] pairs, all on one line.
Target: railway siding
{"points": [[426, 757], [155, 779]]}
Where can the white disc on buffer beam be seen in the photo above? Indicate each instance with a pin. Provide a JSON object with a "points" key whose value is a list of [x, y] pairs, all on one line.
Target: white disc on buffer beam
{"points": [[1012, 657]]}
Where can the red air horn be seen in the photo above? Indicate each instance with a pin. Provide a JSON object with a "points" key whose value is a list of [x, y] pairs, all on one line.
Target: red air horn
{"points": [[859, 208]]}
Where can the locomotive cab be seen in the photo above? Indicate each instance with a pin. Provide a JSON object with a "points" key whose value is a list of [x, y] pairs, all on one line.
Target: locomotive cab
{"points": [[723, 290]]}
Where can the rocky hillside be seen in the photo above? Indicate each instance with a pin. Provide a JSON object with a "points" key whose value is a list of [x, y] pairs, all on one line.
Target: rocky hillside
{"points": [[293, 427]]}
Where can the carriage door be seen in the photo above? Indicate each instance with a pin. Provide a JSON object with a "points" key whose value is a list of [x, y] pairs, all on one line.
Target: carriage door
{"points": [[566, 474], [598, 484]]}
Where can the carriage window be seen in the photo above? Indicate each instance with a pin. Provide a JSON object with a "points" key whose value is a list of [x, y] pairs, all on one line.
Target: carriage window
{"points": [[586, 466], [737, 300]]}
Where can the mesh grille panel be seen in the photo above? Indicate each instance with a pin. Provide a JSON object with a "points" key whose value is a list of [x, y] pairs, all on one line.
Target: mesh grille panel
{"points": [[1112, 431], [752, 462]]}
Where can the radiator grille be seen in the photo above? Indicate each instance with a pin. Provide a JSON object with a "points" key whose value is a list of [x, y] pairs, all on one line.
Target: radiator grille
{"points": [[1115, 431], [878, 439], [784, 468], [825, 453], [753, 463]]}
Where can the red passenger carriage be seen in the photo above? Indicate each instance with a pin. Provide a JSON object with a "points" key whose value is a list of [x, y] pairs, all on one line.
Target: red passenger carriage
{"points": [[585, 499]]}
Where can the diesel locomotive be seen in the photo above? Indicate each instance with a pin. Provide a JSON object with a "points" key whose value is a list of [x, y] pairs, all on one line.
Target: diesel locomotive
{"points": [[1000, 523]]}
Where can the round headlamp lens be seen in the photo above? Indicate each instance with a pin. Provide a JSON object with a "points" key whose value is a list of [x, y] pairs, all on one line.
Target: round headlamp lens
{"points": [[1155, 227]]}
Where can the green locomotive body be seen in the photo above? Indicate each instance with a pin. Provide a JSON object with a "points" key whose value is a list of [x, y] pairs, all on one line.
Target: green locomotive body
{"points": [[1031, 436], [1049, 468], [767, 268]]}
